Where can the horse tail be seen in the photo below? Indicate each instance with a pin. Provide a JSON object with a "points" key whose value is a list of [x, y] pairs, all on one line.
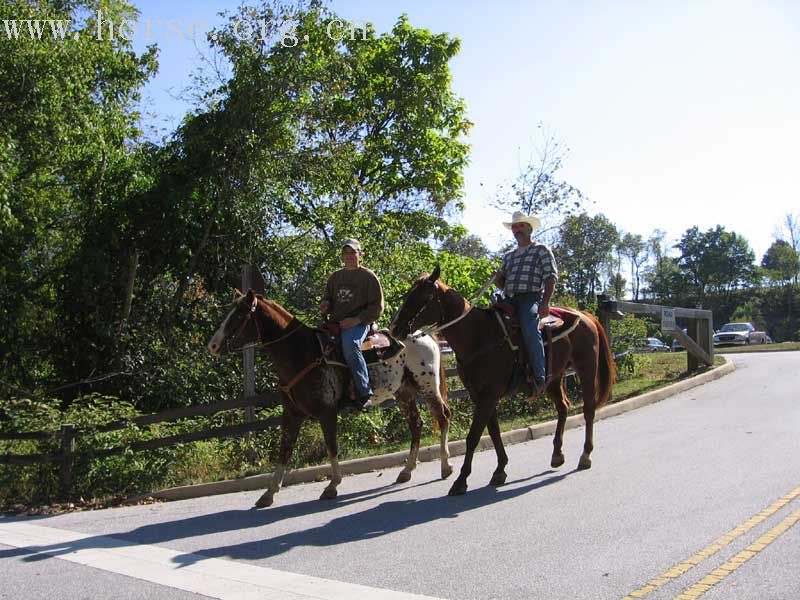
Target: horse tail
{"points": [[606, 367]]}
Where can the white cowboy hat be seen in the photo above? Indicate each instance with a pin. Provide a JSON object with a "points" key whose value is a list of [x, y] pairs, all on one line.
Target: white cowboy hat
{"points": [[521, 217]]}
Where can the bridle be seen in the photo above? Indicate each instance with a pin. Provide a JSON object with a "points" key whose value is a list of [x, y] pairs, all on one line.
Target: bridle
{"points": [[251, 317], [435, 327]]}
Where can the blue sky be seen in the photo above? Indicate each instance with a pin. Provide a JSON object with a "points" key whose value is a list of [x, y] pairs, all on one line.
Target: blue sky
{"points": [[676, 113]]}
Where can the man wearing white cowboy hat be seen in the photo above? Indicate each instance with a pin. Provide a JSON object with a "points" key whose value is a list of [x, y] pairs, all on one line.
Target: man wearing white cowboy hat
{"points": [[528, 276], [354, 300]]}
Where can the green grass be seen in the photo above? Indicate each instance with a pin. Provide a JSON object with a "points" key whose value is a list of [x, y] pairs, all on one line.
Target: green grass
{"points": [[758, 348]]}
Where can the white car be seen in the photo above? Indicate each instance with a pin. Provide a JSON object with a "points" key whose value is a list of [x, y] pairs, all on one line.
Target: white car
{"points": [[739, 334], [651, 345]]}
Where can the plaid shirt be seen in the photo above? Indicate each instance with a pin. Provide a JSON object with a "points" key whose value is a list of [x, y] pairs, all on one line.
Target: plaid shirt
{"points": [[527, 271]]}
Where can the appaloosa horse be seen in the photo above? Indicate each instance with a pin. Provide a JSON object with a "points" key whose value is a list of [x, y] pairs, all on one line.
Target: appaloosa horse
{"points": [[486, 359], [314, 385]]}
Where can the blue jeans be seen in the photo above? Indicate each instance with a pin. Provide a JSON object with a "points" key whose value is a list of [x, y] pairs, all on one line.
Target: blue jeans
{"points": [[351, 347], [527, 306]]}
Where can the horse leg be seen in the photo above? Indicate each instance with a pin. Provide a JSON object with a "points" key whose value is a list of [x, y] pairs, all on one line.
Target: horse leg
{"points": [[589, 407], [441, 413], [499, 475], [423, 362], [290, 427], [484, 407], [406, 401], [556, 393], [327, 422]]}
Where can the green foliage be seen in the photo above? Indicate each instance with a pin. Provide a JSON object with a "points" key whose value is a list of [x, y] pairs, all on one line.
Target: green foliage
{"points": [[635, 249], [119, 256], [585, 245], [67, 162], [627, 333], [119, 474], [781, 261], [715, 260], [465, 244], [467, 275], [749, 312]]}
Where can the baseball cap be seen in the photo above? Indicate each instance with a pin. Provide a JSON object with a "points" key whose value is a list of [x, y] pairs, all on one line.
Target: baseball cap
{"points": [[352, 243]]}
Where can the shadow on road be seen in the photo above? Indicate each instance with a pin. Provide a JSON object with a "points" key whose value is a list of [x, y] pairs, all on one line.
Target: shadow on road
{"points": [[384, 518]]}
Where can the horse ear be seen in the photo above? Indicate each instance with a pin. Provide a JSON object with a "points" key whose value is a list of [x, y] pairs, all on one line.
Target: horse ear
{"points": [[435, 275]]}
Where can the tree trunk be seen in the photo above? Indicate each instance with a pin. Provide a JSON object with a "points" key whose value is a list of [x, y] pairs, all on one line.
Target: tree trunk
{"points": [[133, 266]]}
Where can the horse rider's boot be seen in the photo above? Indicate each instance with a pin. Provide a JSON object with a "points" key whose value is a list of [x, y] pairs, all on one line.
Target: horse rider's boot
{"points": [[366, 403]]}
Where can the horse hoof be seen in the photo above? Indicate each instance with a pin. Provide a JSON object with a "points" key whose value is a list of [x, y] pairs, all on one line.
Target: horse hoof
{"points": [[329, 494], [403, 477], [557, 460], [585, 462], [498, 479], [264, 501], [458, 489], [447, 471]]}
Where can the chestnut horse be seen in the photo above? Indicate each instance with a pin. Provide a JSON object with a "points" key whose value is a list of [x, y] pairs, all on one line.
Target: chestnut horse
{"points": [[486, 362], [315, 387]]}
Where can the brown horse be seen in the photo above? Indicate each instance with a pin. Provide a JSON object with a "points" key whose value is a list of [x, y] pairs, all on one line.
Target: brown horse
{"points": [[314, 387], [486, 362]]}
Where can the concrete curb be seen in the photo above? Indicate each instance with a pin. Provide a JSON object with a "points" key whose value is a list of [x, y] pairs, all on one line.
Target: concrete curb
{"points": [[734, 351], [431, 453]]}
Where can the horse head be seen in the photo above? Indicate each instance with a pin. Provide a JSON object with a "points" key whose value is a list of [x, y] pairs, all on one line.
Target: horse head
{"points": [[419, 307], [252, 320]]}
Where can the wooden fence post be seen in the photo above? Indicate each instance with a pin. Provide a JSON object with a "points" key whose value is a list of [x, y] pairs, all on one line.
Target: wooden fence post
{"points": [[706, 337], [67, 455]]}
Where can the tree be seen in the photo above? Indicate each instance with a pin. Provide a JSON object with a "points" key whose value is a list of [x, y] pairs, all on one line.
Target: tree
{"points": [[790, 231], [634, 248], [465, 244], [715, 261], [538, 187], [584, 247], [781, 261], [617, 283], [69, 158], [299, 147]]}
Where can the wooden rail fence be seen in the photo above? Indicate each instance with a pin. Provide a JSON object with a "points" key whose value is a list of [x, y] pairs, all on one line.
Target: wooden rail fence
{"points": [[66, 456]]}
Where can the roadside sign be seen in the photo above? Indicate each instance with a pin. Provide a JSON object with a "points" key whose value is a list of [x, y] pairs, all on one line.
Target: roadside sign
{"points": [[668, 319]]}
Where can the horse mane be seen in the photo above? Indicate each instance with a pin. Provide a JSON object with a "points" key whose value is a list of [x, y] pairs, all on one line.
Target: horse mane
{"points": [[275, 311]]}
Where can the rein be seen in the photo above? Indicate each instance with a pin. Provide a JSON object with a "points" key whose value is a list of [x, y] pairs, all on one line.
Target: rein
{"points": [[283, 337], [486, 349], [287, 388], [251, 317], [436, 328]]}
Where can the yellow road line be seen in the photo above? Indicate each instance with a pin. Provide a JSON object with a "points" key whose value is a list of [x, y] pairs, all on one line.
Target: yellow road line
{"points": [[701, 587], [717, 545]]}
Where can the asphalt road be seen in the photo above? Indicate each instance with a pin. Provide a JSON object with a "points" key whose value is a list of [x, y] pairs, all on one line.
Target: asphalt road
{"points": [[701, 487]]}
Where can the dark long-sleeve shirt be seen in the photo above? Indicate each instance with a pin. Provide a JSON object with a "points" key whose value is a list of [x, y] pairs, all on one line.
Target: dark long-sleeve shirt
{"points": [[354, 293]]}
